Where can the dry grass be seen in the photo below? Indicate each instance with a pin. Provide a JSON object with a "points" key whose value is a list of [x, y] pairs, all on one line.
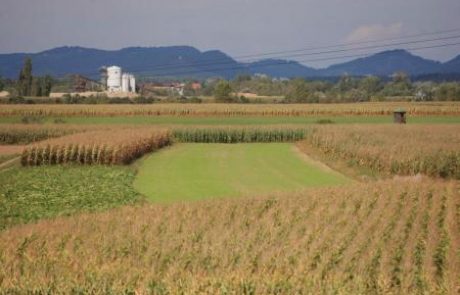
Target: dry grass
{"points": [[384, 237], [406, 150], [365, 109], [114, 146], [24, 134]]}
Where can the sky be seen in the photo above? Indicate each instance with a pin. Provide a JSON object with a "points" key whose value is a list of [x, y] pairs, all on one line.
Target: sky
{"points": [[237, 27]]}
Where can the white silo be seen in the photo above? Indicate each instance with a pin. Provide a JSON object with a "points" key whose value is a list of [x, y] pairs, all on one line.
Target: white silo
{"points": [[125, 82], [132, 83], [114, 79]]}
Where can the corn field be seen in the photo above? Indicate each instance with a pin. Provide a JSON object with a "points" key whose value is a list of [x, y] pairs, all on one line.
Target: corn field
{"points": [[239, 135], [388, 237], [20, 134], [113, 147], [404, 150], [291, 110]]}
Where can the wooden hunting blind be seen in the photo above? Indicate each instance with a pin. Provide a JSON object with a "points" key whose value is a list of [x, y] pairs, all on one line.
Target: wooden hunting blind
{"points": [[399, 116]]}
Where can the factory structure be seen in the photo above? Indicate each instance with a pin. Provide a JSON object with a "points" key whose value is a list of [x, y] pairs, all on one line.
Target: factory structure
{"points": [[115, 81]]}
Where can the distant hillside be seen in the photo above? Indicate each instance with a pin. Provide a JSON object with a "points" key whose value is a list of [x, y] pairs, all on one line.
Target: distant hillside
{"points": [[281, 68], [384, 64], [186, 61], [452, 66], [164, 61]]}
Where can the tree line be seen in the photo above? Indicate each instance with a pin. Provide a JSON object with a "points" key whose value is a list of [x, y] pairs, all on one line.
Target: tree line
{"points": [[27, 84], [345, 89]]}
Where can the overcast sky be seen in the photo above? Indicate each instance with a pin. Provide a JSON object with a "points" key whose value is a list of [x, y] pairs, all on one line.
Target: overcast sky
{"points": [[237, 27]]}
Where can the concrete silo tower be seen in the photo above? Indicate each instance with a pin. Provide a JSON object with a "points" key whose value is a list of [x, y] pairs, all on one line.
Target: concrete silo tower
{"points": [[125, 82], [132, 83], [114, 79]]}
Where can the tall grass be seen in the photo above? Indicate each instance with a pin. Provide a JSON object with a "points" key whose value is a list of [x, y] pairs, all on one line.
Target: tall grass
{"points": [[263, 245], [239, 135], [20, 134], [108, 147], [296, 110], [404, 150]]}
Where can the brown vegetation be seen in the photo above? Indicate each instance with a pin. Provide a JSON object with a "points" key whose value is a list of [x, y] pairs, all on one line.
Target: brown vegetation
{"points": [[384, 237], [25, 133], [406, 150], [116, 146], [365, 109]]}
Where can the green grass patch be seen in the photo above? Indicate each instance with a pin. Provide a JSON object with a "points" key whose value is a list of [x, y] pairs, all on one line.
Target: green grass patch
{"points": [[30, 194], [199, 171]]}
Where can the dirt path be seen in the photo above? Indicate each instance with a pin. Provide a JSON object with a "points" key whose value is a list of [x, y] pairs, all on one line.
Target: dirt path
{"points": [[8, 163], [11, 149], [316, 163]]}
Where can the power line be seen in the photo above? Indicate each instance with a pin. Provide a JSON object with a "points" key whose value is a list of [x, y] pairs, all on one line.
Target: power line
{"points": [[166, 67], [287, 62], [225, 60], [351, 43], [317, 53]]}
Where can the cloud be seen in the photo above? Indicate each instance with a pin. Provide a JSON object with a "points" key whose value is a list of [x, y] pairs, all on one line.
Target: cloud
{"points": [[375, 32]]}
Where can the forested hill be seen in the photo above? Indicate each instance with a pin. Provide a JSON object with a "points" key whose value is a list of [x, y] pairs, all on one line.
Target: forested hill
{"points": [[186, 61]]}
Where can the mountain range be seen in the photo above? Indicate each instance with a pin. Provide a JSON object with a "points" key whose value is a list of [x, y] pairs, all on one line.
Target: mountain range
{"points": [[186, 61]]}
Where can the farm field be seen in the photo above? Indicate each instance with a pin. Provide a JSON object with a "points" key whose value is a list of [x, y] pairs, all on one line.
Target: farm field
{"points": [[231, 120], [232, 110], [376, 238], [391, 149], [230, 199], [30, 194], [199, 171]]}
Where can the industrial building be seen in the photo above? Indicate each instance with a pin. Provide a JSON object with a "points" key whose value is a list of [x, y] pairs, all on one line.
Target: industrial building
{"points": [[116, 81]]}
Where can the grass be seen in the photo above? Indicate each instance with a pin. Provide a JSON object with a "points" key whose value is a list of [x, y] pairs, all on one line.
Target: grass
{"points": [[237, 120], [198, 171], [6, 158], [30, 194]]}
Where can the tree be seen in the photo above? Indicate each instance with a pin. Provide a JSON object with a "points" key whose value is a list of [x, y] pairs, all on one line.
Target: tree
{"points": [[25, 78], [346, 83], [36, 89], [298, 91], [2, 84], [223, 91], [46, 85], [399, 86], [371, 85]]}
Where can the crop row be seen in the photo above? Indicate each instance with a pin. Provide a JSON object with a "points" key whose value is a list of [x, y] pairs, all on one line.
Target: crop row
{"points": [[96, 147], [238, 135], [404, 150], [18, 134], [360, 239], [444, 108]]}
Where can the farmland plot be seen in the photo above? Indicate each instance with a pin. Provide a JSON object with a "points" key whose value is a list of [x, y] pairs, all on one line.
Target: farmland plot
{"points": [[405, 150], [197, 171], [385, 237]]}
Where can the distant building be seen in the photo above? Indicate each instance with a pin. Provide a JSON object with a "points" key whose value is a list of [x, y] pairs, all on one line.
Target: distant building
{"points": [[196, 86], [117, 81]]}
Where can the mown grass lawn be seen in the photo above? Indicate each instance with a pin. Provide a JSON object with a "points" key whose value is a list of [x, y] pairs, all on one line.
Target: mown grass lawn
{"points": [[199, 171]]}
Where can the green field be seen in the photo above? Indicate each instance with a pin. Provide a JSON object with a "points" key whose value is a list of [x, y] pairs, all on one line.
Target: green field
{"points": [[30, 194], [238, 120], [198, 171]]}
